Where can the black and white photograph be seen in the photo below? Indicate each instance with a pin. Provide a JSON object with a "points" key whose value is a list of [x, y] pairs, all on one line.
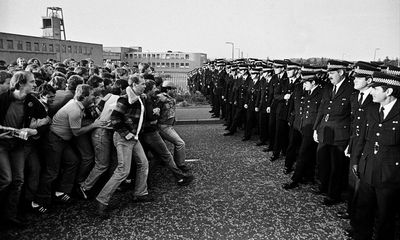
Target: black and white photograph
{"points": [[192, 120]]}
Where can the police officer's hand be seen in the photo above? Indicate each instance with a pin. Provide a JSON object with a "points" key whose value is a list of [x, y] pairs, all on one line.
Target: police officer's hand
{"points": [[245, 106], [315, 136], [256, 109], [354, 169], [268, 109], [346, 151], [5, 135], [286, 96], [235, 103]]}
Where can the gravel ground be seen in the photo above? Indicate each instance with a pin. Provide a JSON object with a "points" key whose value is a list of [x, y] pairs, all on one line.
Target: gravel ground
{"points": [[237, 194]]}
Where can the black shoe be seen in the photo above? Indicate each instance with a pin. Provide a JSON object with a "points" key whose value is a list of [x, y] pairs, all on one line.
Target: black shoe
{"points": [[214, 116], [101, 211], [343, 215], [227, 128], [229, 134], [64, 199], [265, 150], [261, 144], [184, 168], [287, 171], [144, 198], [330, 201], [245, 139], [290, 185], [274, 158], [81, 192], [211, 111], [185, 181]]}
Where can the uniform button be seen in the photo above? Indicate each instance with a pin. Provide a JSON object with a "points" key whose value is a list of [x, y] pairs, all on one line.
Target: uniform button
{"points": [[380, 125], [377, 134], [397, 163], [329, 108], [358, 117], [330, 101], [357, 126]]}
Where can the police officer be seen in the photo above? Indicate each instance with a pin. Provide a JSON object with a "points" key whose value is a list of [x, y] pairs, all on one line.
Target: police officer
{"points": [[295, 89], [253, 89], [261, 103], [377, 161], [332, 132], [281, 95], [306, 159]]}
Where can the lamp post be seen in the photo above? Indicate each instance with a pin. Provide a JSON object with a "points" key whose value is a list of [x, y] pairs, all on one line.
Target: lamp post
{"points": [[233, 47], [376, 49], [238, 53]]}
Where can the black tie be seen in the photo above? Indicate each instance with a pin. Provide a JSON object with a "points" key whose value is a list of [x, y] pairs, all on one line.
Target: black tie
{"points": [[333, 91], [381, 114], [360, 99]]}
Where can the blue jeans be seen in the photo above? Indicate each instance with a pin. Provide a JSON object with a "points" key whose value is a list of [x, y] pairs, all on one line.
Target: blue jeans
{"points": [[12, 164], [156, 144], [168, 133], [84, 145], [59, 154], [102, 143], [125, 150]]}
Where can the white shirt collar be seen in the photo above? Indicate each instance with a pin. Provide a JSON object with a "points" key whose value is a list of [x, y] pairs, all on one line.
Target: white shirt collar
{"points": [[338, 85], [387, 108], [366, 93]]}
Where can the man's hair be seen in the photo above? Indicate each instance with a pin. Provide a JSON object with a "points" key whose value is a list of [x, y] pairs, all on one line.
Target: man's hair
{"points": [[148, 76], [119, 72], [94, 81], [32, 61], [94, 70], [107, 75], [74, 81], [57, 81], [45, 89], [122, 84], [19, 78], [81, 71], [134, 79], [61, 69], [158, 81], [395, 93], [4, 75], [83, 63], [82, 91], [149, 85]]}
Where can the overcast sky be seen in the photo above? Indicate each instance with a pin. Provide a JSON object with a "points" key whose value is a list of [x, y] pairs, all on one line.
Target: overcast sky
{"points": [[352, 29]]}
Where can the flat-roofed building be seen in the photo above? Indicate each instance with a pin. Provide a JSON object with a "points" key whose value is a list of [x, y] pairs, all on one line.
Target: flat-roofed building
{"points": [[13, 46]]}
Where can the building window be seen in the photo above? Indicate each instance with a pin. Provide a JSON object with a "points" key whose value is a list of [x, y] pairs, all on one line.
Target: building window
{"points": [[57, 47], [64, 48], [139, 55], [36, 47], [19, 45], [135, 56], [126, 55], [153, 64], [172, 65], [162, 64], [10, 44], [186, 56], [80, 49], [177, 56], [90, 50], [28, 46], [186, 65], [153, 55], [69, 49], [135, 63], [158, 56], [1, 44], [51, 48], [167, 64], [85, 52], [167, 56], [182, 65], [44, 47], [75, 49], [158, 64]]}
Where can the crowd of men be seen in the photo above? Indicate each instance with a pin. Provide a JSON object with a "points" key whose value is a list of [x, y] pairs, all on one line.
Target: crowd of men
{"points": [[66, 127], [336, 125]]}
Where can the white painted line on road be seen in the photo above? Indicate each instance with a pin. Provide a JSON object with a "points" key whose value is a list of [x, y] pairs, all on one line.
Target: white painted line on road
{"points": [[193, 160]]}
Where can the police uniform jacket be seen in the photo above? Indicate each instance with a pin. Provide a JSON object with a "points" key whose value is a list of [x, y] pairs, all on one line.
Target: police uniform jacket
{"points": [[295, 104], [253, 90], [273, 83], [280, 90], [377, 153], [334, 115], [262, 96], [309, 111], [357, 118]]}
